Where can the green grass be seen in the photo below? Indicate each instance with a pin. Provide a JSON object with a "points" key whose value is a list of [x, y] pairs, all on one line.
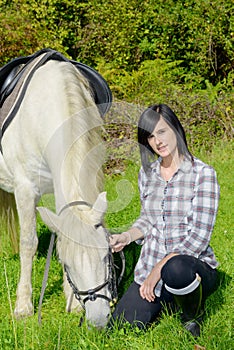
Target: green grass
{"points": [[61, 331]]}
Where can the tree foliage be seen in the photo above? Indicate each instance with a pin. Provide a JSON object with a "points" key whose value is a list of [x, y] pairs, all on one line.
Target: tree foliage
{"points": [[199, 34], [178, 52]]}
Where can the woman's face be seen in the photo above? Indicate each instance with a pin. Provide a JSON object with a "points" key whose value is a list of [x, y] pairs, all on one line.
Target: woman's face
{"points": [[163, 139]]}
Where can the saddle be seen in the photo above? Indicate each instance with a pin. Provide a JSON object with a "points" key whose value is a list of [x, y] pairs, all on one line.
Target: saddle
{"points": [[24, 67]]}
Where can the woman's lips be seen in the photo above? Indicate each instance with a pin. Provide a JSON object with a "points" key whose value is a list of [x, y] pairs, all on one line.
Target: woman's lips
{"points": [[162, 148]]}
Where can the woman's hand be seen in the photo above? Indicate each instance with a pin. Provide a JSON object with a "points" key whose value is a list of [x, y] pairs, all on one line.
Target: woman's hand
{"points": [[119, 241], [147, 288]]}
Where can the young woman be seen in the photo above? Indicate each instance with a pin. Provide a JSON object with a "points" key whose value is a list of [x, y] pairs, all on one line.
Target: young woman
{"points": [[179, 201]]}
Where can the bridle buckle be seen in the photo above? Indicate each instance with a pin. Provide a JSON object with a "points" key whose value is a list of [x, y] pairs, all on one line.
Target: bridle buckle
{"points": [[91, 295]]}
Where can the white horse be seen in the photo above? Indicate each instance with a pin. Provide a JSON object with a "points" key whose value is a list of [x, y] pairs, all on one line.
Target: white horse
{"points": [[54, 145]]}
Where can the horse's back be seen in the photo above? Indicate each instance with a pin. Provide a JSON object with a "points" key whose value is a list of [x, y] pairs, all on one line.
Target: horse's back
{"points": [[56, 91], [47, 101]]}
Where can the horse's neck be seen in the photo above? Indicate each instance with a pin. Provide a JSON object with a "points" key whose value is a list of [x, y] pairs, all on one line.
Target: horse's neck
{"points": [[70, 135]]}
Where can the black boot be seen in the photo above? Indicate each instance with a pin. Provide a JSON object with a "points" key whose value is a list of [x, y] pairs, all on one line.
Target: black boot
{"points": [[191, 310]]}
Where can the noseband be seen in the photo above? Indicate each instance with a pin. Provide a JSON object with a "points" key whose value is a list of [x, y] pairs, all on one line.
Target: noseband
{"points": [[92, 294]]}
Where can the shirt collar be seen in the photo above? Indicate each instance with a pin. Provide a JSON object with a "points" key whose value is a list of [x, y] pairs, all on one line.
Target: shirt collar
{"points": [[185, 166]]}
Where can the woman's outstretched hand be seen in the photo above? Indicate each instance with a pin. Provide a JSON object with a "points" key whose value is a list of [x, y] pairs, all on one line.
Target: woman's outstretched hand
{"points": [[119, 241]]}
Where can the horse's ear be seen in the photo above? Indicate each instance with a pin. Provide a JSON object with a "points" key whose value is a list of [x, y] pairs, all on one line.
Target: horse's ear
{"points": [[100, 206], [51, 219]]}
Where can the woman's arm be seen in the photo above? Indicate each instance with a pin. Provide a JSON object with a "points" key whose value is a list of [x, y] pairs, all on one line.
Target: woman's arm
{"points": [[204, 210]]}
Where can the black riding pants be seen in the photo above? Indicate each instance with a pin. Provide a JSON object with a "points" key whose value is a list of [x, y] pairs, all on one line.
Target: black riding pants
{"points": [[179, 272]]}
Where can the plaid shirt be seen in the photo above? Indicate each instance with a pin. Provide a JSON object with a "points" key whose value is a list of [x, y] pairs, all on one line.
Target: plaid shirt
{"points": [[177, 216]]}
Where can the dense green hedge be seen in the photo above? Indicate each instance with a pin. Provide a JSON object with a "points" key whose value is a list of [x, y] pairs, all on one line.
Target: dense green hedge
{"points": [[175, 52], [199, 34]]}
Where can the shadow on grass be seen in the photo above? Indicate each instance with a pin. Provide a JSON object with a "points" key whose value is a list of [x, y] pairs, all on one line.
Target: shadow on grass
{"points": [[217, 299], [44, 235], [131, 253]]}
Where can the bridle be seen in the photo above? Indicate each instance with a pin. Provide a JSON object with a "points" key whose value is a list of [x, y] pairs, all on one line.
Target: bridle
{"points": [[93, 293]]}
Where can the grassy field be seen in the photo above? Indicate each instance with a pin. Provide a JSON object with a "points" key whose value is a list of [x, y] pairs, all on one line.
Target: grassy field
{"points": [[62, 331]]}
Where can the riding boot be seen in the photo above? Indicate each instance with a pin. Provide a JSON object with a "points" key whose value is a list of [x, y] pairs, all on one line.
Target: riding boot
{"points": [[191, 310]]}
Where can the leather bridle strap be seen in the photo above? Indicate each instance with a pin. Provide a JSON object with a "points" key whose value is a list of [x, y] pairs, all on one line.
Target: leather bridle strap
{"points": [[91, 294], [73, 204]]}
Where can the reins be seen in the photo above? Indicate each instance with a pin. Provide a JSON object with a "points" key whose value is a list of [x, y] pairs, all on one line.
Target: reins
{"points": [[91, 294], [46, 273]]}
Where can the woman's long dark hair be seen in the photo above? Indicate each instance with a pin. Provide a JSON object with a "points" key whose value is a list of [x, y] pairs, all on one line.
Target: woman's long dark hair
{"points": [[146, 126]]}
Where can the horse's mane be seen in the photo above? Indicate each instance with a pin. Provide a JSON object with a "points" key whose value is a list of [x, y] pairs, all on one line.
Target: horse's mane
{"points": [[86, 154]]}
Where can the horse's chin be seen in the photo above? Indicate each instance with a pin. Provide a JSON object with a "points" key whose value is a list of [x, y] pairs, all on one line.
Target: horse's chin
{"points": [[98, 326], [97, 313]]}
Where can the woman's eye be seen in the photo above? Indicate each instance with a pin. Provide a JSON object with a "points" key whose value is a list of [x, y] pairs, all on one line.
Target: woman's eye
{"points": [[150, 136]]}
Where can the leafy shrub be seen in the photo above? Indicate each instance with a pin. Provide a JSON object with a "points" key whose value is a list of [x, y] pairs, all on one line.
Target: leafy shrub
{"points": [[199, 34], [28, 26], [179, 53]]}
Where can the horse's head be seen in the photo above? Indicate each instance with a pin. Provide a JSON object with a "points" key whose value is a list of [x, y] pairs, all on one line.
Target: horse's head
{"points": [[84, 251]]}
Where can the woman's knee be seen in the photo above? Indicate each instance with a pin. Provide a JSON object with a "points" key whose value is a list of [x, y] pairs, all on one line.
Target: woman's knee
{"points": [[179, 271]]}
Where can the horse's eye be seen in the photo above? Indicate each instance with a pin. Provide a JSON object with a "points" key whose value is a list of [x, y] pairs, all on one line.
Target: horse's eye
{"points": [[97, 226]]}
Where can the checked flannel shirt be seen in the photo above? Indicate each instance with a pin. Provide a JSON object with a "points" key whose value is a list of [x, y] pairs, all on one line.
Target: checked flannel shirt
{"points": [[176, 215]]}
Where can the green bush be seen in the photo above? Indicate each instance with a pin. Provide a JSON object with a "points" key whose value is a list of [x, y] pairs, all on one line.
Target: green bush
{"points": [[28, 26], [199, 34], [174, 52], [125, 33]]}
